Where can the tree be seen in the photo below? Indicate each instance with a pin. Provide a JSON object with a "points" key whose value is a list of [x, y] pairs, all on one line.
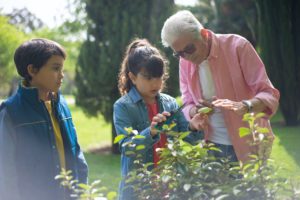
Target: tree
{"points": [[111, 26], [228, 16], [279, 31], [10, 39], [25, 20]]}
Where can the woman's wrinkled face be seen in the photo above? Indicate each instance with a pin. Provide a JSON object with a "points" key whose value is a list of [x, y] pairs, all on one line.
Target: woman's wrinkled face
{"points": [[191, 47]]}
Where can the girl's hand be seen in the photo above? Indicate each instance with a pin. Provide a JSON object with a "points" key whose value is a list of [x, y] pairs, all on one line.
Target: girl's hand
{"points": [[160, 117], [199, 122]]}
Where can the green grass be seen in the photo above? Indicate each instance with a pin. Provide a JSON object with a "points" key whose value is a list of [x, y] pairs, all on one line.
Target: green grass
{"points": [[106, 168], [286, 150], [92, 132], [95, 132]]}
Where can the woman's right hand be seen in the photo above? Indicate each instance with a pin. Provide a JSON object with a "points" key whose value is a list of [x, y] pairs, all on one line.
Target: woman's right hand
{"points": [[202, 103]]}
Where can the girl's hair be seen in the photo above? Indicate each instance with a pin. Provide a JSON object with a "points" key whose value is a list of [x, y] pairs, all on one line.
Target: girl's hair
{"points": [[141, 54], [180, 23]]}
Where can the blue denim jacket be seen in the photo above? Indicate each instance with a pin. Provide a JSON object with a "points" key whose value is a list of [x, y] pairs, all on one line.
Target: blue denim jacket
{"points": [[29, 159], [131, 111]]}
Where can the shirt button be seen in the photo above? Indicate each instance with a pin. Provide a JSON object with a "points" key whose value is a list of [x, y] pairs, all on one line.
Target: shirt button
{"points": [[57, 166], [53, 147], [50, 128]]}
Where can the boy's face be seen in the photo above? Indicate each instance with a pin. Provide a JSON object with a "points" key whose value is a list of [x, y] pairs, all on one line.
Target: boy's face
{"points": [[50, 76]]}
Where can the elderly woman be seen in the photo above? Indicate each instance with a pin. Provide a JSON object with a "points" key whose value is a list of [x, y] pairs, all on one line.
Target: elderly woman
{"points": [[222, 71]]}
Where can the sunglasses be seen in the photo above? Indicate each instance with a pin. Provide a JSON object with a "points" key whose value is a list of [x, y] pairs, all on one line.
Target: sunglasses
{"points": [[189, 49]]}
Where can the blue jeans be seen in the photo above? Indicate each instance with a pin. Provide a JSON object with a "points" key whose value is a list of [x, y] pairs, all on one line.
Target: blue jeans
{"points": [[227, 151]]}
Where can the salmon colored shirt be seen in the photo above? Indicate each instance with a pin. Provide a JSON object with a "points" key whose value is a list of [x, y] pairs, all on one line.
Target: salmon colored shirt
{"points": [[238, 74]]}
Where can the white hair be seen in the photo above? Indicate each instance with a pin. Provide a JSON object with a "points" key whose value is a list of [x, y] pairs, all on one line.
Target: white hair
{"points": [[180, 23]]}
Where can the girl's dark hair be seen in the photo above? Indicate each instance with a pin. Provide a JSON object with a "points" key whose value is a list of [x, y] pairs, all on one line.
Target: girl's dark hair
{"points": [[35, 52], [141, 54]]}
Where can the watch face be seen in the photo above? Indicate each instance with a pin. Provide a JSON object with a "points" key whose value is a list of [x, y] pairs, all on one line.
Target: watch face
{"points": [[248, 104]]}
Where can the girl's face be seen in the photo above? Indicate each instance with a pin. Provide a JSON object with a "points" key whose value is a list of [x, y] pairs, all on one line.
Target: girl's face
{"points": [[147, 87]]}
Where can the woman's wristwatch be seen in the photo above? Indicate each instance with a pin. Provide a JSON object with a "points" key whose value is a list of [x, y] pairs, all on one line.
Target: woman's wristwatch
{"points": [[249, 105]]}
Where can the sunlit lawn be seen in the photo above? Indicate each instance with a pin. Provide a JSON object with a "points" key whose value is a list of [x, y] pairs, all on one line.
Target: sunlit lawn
{"points": [[94, 132], [286, 148]]}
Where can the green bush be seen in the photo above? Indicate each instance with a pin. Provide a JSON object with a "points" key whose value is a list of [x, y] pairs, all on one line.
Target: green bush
{"points": [[82, 191], [187, 172]]}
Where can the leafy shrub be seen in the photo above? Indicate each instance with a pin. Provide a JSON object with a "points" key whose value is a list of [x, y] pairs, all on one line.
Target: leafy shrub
{"points": [[93, 191], [188, 172]]}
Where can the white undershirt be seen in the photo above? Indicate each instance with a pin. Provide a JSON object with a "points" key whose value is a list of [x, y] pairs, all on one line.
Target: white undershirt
{"points": [[217, 123]]}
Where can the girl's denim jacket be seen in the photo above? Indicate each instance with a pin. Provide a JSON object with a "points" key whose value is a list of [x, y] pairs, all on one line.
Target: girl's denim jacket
{"points": [[131, 111]]}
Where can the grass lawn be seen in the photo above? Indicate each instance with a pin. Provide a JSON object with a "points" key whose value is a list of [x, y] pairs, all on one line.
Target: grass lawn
{"points": [[95, 132], [286, 148], [92, 132]]}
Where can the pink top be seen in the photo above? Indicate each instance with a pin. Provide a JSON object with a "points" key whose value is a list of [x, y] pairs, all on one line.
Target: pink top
{"points": [[238, 74]]}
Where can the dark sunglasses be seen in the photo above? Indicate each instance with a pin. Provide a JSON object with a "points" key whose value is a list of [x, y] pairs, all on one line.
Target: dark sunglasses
{"points": [[189, 49]]}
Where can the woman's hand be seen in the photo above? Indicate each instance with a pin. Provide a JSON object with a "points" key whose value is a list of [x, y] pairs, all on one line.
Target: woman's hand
{"points": [[160, 117], [238, 107]]}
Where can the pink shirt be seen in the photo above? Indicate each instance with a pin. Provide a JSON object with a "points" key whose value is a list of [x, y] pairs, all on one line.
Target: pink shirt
{"points": [[238, 74]]}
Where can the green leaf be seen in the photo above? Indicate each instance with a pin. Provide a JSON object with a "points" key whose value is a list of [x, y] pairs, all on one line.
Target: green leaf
{"points": [[183, 135], [140, 147], [83, 186], [111, 195], [247, 117], [139, 137], [128, 153], [262, 130], [259, 115], [128, 129], [96, 182], [215, 149], [165, 127], [244, 131], [205, 110], [187, 148], [172, 125], [119, 138]]}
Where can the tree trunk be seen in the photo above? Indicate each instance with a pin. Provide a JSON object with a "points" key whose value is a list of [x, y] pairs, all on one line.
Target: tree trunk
{"points": [[278, 36]]}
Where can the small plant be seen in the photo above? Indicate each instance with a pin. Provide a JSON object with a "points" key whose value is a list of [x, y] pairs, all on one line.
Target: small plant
{"points": [[84, 191], [187, 172]]}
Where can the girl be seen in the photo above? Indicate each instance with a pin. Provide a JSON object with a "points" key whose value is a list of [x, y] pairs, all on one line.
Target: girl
{"points": [[142, 107]]}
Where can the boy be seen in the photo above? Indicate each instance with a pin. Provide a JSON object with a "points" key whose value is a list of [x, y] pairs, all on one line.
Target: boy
{"points": [[37, 135]]}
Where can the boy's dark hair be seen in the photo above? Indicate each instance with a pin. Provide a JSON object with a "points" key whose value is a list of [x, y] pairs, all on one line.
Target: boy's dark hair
{"points": [[141, 54], [35, 52]]}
